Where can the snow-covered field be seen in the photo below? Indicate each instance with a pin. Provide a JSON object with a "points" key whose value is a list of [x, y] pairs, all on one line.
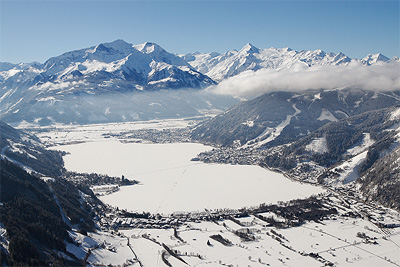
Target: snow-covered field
{"points": [[170, 182], [336, 241], [61, 134]]}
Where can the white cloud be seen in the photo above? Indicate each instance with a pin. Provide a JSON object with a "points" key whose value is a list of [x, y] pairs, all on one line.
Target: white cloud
{"points": [[379, 77]]}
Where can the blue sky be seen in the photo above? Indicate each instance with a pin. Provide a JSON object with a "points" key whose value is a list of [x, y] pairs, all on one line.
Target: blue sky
{"points": [[37, 30]]}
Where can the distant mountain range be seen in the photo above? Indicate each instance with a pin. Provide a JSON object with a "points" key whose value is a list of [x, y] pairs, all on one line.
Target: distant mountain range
{"points": [[66, 88], [148, 66], [222, 66]]}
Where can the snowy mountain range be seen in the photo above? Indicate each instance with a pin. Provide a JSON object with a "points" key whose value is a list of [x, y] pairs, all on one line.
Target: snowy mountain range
{"points": [[149, 66], [222, 66], [68, 88]]}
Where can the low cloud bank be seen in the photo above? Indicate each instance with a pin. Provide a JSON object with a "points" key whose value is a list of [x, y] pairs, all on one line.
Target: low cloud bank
{"points": [[382, 77]]}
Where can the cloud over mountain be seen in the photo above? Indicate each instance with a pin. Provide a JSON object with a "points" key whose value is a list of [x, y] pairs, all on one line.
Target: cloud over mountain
{"points": [[380, 77]]}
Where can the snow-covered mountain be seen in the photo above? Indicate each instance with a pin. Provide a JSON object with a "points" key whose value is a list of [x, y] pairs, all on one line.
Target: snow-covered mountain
{"points": [[59, 88], [371, 59], [282, 117], [222, 66], [362, 149], [91, 70], [5, 66], [106, 68]]}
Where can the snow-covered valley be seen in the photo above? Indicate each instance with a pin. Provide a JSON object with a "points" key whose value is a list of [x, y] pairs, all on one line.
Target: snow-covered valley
{"points": [[201, 221], [169, 180]]}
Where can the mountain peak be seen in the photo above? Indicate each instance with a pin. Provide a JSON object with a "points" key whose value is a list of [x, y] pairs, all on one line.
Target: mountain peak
{"points": [[119, 46], [395, 59], [249, 48], [118, 42], [374, 58], [380, 57], [319, 52], [101, 47], [148, 47]]}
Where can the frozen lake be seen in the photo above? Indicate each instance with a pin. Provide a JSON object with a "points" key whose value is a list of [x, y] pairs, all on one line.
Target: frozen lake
{"points": [[170, 182]]}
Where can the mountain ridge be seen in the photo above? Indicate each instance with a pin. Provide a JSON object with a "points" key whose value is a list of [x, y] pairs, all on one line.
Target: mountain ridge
{"points": [[66, 88], [231, 63], [280, 117]]}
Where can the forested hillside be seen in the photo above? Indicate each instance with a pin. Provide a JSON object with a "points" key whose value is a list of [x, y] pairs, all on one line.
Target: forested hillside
{"points": [[28, 152], [37, 215], [282, 117]]}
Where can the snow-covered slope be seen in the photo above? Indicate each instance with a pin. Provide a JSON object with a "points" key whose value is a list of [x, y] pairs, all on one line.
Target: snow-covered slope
{"points": [[145, 66], [362, 149], [371, 59], [28, 152], [282, 117], [382, 181], [60, 87], [221, 66]]}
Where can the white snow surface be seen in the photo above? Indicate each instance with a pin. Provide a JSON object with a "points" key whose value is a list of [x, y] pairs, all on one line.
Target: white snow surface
{"points": [[348, 169], [270, 133], [335, 240], [326, 115], [169, 179], [4, 240], [318, 145], [365, 144], [61, 134], [395, 114], [170, 182]]}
